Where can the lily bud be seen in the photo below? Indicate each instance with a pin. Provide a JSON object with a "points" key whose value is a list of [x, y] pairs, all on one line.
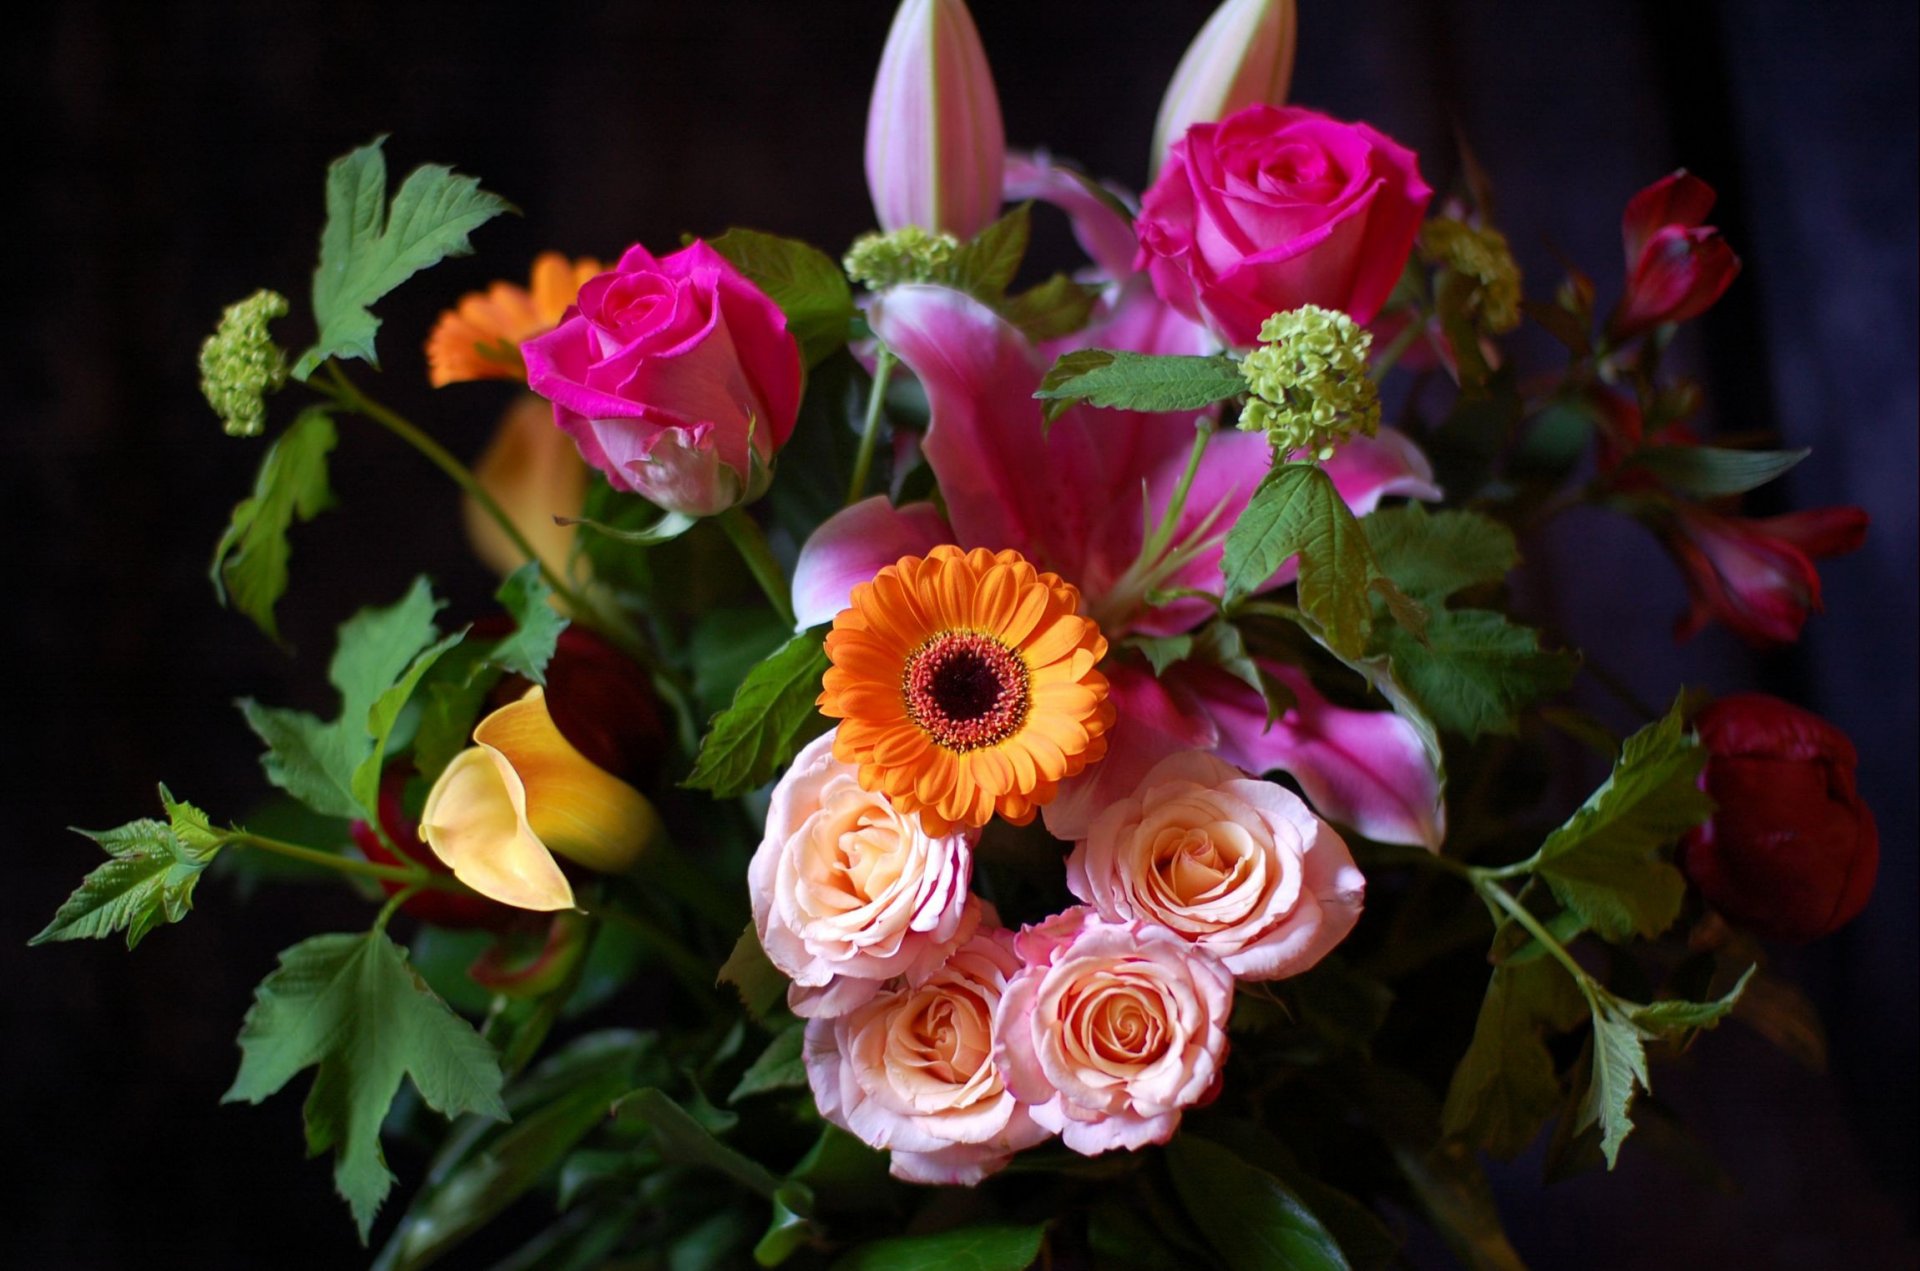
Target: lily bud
{"points": [[506, 806], [534, 472], [936, 148], [1242, 56]]}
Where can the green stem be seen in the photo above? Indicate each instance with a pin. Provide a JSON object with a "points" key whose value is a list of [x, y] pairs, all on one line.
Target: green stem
{"points": [[1416, 324], [870, 430], [753, 549], [1489, 887], [343, 864], [392, 906]]}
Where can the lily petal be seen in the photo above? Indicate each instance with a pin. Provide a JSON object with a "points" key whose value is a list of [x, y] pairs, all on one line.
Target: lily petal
{"points": [[1368, 469], [853, 545], [1154, 718], [1103, 230]]}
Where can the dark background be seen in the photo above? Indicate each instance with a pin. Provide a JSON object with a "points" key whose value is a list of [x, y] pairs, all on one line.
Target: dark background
{"points": [[165, 161]]}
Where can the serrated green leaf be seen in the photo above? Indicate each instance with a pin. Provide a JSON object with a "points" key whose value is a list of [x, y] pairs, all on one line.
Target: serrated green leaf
{"points": [[1619, 1068], [249, 568], [316, 761], [1055, 308], [1506, 1085], [778, 1068], [1432, 555], [759, 983], [804, 281], [1162, 652], [385, 713], [1476, 672], [1708, 472], [1297, 511], [351, 1007], [1675, 1015], [1604, 863], [192, 826], [962, 1249], [1252, 1219], [149, 880], [771, 717], [1221, 643], [536, 624], [985, 265], [1139, 381], [367, 249]]}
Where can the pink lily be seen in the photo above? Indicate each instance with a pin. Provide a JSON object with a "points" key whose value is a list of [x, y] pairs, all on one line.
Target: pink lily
{"points": [[1070, 498]]}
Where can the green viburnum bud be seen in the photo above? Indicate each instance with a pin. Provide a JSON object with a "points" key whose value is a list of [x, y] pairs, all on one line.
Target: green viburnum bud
{"points": [[905, 255], [240, 364], [1482, 254], [1309, 382]]}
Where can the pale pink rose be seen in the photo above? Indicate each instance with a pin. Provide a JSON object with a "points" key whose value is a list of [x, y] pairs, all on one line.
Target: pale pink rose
{"points": [[912, 1070], [676, 377], [1275, 207], [1113, 1031], [1239, 868], [849, 892]]}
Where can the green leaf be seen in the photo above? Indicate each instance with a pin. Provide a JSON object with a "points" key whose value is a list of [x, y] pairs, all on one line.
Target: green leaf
{"points": [[1250, 1217], [1506, 1085], [685, 1141], [962, 1249], [1604, 863], [804, 281], [1709, 471], [1677, 1016], [1221, 643], [759, 983], [352, 1008], [1475, 672], [385, 713], [1365, 1241], [149, 879], [1139, 381], [985, 265], [250, 562], [1619, 1067], [367, 249], [536, 624], [778, 1068], [726, 645], [1432, 555], [1057, 307], [771, 717], [1163, 651], [1297, 511], [316, 761]]}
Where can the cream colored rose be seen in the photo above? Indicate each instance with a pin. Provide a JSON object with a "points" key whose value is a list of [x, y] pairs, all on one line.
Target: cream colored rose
{"points": [[849, 892], [1240, 868], [1111, 1030], [912, 1070]]}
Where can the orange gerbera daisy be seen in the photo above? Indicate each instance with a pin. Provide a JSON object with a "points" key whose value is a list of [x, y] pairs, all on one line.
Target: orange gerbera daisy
{"points": [[966, 686], [480, 338]]}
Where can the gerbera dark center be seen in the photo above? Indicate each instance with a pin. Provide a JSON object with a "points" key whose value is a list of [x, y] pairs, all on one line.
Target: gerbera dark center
{"points": [[966, 689]]}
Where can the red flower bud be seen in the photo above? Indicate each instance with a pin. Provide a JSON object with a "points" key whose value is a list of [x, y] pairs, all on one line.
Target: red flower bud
{"points": [[1757, 576], [1792, 850], [453, 910], [1677, 267]]}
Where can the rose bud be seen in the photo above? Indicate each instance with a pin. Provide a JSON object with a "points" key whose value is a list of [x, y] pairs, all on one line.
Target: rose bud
{"points": [[452, 910], [1757, 576], [1276, 207], [1242, 56], [505, 808], [1677, 267], [677, 378], [936, 147], [1792, 850], [534, 472]]}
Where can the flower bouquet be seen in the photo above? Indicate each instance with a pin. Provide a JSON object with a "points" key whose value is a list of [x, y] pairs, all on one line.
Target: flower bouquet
{"points": [[974, 769]]}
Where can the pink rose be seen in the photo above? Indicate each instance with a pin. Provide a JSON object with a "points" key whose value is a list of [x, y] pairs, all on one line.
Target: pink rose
{"points": [[1276, 207], [677, 378], [849, 892], [1239, 868], [1113, 1031], [913, 1071]]}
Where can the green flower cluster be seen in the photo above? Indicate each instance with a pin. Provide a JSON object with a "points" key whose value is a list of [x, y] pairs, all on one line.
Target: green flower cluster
{"points": [[906, 255], [240, 364], [1309, 382], [1481, 254]]}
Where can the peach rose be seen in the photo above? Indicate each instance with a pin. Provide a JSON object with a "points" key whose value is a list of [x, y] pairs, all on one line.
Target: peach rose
{"points": [[912, 1070], [1240, 868], [1113, 1031], [849, 892]]}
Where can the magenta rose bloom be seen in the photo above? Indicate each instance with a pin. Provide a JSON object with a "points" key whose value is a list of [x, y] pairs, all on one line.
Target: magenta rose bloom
{"points": [[1275, 207], [672, 376]]}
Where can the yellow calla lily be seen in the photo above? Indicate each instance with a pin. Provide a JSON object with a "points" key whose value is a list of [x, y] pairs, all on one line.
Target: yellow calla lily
{"points": [[505, 806]]}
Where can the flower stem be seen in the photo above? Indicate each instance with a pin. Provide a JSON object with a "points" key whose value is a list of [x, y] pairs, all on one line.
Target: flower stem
{"points": [[753, 549], [1495, 894], [870, 430], [1416, 324]]}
